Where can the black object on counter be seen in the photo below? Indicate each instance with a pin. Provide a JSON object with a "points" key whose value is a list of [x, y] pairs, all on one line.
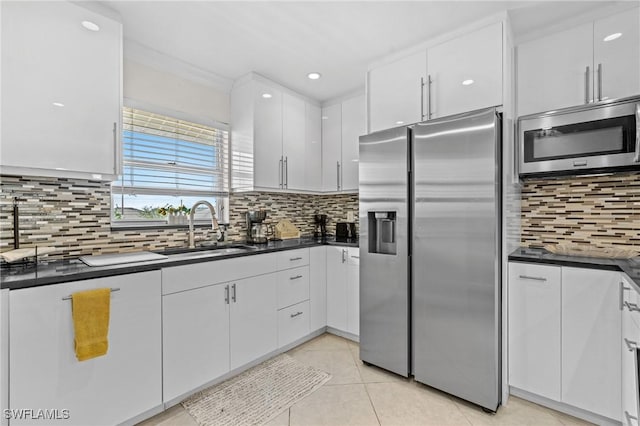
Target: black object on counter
{"points": [[16, 224], [321, 226], [345, 231]]}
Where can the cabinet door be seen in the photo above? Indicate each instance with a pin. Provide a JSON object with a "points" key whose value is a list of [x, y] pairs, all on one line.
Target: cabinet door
{"points": [[318, 288], [353, 126], [49, 59], [353, 291], [109, 389], [195, 332], [331, 146], [395, 92], [313, 148], [337, 288], [267, 160], [551, 71], [254, 320], [630, 388], [534, 329], [475, 57], [591, 334], [619, 59], [293, 141]]}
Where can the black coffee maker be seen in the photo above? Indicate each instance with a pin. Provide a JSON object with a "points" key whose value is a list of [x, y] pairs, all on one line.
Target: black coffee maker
{"points": [[321, 226]]}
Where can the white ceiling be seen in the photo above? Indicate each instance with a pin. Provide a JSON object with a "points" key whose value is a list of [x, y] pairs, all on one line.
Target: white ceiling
{"points": [[286, 40]]}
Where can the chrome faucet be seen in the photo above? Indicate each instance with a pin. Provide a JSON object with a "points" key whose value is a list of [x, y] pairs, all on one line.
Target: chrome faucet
{"points": [[214, 222]]}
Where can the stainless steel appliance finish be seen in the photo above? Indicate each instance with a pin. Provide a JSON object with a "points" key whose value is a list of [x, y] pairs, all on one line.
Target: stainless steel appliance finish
{"points": [[583, 139], [384, 275], [456, 256]]}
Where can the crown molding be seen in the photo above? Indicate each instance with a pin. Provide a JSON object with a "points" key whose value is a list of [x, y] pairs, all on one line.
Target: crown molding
{"points": [[144, 55]]}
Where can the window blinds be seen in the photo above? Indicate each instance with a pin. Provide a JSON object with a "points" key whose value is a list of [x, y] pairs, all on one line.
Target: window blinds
{"points": [[164, 155]]}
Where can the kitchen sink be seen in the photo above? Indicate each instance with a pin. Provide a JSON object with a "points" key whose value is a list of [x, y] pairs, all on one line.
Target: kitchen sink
{"points": [[202, 252]]}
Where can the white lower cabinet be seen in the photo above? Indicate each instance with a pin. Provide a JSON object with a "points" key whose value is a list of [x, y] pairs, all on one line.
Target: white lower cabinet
{"points": [[565, 328], [534, 328], [317, 288], [591, 333], [107, 390], [343, 289], [254, 321], [630, 356], [195, 338], [293, 323]]}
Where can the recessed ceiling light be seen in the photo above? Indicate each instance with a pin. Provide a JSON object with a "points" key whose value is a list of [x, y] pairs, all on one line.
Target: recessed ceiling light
{"points": [[467, 82], [314, 75], [58, 104], [613, 36], [399, 122], [266, 95], [91, 26]]}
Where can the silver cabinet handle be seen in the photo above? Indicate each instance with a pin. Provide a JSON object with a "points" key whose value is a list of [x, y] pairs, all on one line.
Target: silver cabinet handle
{"points": [[421, 98], [632, 307], [226, 294], [429, 113], [355, 257], [631, 344], [344, 255], [233, 296], [286, 172], [338, 175], [296, 314], [579, 163], [116, 148], [637, 157], [528, 277], [293, 259], [586, 85], [297, 277], [599, 71], [280, 172], [623, 288]]}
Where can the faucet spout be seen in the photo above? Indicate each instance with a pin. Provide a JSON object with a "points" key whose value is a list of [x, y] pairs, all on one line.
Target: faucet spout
{"points": [[214, 222]]}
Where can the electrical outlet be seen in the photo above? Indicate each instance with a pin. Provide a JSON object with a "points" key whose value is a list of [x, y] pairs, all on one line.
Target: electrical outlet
{"points": [[350, 217]]}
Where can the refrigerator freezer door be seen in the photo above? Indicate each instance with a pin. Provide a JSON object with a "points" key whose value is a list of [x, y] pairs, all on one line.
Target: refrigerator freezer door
{"points": [[384, 262], [456, 272]]}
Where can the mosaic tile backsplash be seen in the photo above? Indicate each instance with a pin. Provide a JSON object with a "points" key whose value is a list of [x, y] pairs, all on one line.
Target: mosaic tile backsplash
{"points": [[74, 216], [597, 210]]}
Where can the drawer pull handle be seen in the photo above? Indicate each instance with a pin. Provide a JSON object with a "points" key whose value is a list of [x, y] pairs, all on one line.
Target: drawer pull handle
{"points": [[112, 290], [355, 257], [527, 277], [296, 314], [293, 259], [297, 277], [632, 307], [631, 344]]}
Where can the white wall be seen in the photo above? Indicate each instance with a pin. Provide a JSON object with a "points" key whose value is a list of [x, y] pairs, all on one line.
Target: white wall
{"points": [[167, 92]]}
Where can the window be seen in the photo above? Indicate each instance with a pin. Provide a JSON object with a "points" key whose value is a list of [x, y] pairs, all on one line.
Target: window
{"points": [[168, 165]]}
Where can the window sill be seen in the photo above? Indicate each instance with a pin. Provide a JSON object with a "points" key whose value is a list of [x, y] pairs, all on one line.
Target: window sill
{"points": [[132, 226]]}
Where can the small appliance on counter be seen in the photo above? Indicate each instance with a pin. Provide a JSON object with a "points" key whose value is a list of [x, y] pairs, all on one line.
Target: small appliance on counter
{"points": [[285, 230], [345, 231], [320, 230], [256, 228]]}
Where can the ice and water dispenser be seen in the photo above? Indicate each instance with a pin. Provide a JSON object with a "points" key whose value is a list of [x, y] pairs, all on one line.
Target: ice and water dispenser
{"points": [[382, 232]]}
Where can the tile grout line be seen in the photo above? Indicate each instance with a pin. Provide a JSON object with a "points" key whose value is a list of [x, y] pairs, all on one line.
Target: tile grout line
{"points": [[372, 404]]}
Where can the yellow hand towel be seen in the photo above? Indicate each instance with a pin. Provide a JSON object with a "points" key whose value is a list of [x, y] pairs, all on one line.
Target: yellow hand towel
{"points": [[90, 310]]}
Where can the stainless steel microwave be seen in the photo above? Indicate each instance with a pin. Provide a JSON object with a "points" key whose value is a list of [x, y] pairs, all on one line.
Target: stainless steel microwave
{"points": [[585, 139]]}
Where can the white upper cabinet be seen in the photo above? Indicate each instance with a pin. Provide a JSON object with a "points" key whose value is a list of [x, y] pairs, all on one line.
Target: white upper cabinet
{"points": [[429, 83], [61, 90], [268, 131], [395, 92], [276, 138], [331, 146], [465, 73], [617, 58], [578, 66], [353, 126]]}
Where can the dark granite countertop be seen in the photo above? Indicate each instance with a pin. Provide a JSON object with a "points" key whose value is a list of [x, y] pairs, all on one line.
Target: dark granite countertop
{"points": [[45, 273], [631, 267]]}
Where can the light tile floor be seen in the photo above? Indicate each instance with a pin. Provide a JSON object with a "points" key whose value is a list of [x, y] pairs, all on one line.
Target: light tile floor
{"points": [[361, 395]]}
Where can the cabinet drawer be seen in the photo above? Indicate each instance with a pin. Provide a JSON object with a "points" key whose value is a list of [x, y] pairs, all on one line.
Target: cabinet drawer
{"points": [[292, 258], [293, 286], [293, 323], [187, 277], [630, 300], [532, 273], [353, 256]]}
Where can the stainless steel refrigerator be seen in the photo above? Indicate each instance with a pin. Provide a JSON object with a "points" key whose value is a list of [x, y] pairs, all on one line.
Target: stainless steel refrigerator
{"points": [[430, 253]]}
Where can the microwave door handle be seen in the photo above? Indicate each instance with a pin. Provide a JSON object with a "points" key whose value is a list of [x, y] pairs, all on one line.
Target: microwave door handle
{"points": [[637, 156]]}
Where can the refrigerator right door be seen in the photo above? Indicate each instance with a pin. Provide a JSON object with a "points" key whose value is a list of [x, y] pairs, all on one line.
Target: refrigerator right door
{"points": [[456, 256]]}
